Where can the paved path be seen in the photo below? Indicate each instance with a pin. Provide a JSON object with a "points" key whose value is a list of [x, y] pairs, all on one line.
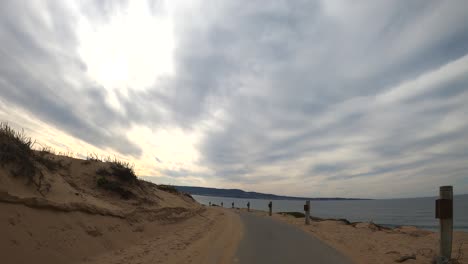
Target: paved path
{"points": [[268, 241]]}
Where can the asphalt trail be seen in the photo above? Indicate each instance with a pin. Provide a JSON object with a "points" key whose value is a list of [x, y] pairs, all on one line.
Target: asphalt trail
{"points": [[269, 241]]}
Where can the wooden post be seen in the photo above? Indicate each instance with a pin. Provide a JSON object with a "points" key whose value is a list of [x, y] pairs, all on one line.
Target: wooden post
{"points": [[307, 213], [444, 211], [248, 206], [270, 205], [232, 205]]}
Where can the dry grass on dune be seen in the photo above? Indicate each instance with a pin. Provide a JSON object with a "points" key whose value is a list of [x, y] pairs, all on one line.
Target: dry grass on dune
{"points": [[16, 149], [57, 209], [18, 156]]}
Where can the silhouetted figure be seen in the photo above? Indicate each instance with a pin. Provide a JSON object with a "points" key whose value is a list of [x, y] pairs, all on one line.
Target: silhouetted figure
{"points": [[210, 203], [233, 205], [248, 206], [222, 205], [270, 206]]}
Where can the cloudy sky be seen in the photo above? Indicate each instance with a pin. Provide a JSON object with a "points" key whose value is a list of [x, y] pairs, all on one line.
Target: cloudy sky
{"points": [[311, 98]]}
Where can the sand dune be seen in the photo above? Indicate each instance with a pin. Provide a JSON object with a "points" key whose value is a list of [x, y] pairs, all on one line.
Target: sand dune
{"points": [[62, 215]]}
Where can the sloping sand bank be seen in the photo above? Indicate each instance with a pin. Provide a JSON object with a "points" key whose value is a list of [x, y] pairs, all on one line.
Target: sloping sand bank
{"points": [[43, 236], [81, 211]]}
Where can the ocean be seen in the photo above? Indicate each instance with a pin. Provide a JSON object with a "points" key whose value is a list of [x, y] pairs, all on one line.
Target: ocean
{"points": [[419, 212]]}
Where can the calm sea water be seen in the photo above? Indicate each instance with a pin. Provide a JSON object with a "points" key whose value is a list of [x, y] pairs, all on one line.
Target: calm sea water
{"points": [[393, 212]]}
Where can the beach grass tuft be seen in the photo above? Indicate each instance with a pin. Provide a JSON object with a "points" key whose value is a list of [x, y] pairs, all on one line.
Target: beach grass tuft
{"points": [[16, 152], [123, 170], [16, 149]]}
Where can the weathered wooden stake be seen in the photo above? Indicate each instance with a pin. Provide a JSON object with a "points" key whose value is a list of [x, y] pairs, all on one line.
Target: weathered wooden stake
{"points": [[307, 212], [270, 205], [444, 211]]}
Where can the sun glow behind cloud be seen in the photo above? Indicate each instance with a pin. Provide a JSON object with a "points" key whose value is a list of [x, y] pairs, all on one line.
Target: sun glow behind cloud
{"points": [[303, 98], [131, 49]]}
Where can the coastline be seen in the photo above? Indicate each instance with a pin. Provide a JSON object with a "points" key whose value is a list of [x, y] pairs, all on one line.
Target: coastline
{"points": [[366, 242], [391, 213], [58, 209]]}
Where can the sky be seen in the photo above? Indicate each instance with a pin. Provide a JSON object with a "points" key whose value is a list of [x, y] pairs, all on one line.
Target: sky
{"points": [[330, 98]]}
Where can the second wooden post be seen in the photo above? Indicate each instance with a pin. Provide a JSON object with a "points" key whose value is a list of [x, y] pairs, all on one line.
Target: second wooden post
{"points": [[444, 211], [307, 212]]}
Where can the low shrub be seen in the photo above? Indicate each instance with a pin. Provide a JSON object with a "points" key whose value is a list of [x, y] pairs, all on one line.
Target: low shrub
{"points": [[295, 214], [102, 181], [123, 171], [115, 187], [168, 188], [103, 172]]}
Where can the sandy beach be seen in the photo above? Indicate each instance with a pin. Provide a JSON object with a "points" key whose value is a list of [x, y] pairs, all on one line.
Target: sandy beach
{"points": [[370, 243]]}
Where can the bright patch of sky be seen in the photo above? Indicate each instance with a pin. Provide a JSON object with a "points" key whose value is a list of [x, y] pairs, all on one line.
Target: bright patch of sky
{"points": [[129, 50], [306, 98]]}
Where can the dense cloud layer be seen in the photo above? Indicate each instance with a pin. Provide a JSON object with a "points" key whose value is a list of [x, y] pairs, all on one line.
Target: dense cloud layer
{"points": [[41, 72], [320, 98]]}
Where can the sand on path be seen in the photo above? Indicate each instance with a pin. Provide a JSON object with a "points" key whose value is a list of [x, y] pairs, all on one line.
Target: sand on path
{"points": [[209, 238]]}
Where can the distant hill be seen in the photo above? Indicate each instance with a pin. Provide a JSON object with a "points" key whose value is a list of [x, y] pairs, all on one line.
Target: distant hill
{"points": [[237, 193]]}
